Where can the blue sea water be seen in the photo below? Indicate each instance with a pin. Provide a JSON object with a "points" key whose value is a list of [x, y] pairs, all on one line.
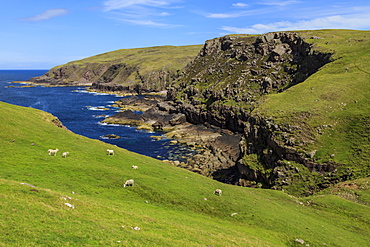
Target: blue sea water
{"points": [[81, 112]]}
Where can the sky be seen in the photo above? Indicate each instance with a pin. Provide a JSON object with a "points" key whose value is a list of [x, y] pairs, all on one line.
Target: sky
{"points": [[41, 34]]}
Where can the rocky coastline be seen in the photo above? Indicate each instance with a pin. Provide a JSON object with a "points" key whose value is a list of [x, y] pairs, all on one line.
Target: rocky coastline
{"points": [[217, 148]]}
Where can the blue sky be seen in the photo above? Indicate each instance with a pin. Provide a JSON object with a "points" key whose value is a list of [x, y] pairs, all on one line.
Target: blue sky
{"points": [[40, 34]]}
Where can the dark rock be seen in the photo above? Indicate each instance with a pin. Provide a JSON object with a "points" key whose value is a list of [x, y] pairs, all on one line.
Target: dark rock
{"points": [[112, 136]]}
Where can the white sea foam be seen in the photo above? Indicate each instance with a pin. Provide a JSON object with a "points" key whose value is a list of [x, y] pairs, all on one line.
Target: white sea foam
{"points": [[100, 116], [96, 108], [95, 93], [79, 90], [108, 124]]}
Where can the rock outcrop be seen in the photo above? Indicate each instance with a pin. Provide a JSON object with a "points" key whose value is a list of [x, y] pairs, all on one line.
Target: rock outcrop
{"points": [[224, 84]]}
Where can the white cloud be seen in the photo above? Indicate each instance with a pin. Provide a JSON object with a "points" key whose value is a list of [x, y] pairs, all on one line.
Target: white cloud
{"points": [[228, 15], [150, 23], [239, 5], [121, 4], [360, 21], [50, 13], [164, 14], [280, 3], [141, 12]]}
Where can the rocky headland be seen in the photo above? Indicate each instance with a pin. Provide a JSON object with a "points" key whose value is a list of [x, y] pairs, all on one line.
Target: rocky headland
{"points": [[129, 71]]}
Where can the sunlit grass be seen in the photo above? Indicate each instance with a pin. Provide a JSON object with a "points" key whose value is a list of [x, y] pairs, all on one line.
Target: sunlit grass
{"points": [[171, 206]]}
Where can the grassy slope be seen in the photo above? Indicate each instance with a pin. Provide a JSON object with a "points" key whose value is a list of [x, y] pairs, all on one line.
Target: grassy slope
{"points": [[337, 95], [176, 213], [149, 58]]}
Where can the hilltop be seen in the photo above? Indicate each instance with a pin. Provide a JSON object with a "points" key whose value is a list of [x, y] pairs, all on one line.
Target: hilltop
{"points": [[80, 200], [290, 110]]}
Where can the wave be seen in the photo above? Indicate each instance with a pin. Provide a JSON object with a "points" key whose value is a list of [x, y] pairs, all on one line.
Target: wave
{"points": [[79, 90], [82, 90], [109, 124], [100, 116], [97, 108]]}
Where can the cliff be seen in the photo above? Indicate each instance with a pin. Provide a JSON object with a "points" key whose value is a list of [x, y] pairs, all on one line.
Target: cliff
{"points": [[285, 93], [126, 70]]}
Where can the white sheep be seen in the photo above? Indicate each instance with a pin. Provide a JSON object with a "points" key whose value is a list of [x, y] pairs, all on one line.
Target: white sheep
{"points": [[69, 205], [51, 151], [64, 155], [135, 167], [217, 192], [110, 152], [129, 182]]}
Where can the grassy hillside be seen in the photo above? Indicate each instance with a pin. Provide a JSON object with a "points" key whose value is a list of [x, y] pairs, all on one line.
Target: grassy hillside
{"points": [[167, 203], [332, 104], [148, 69], [150, 58]]}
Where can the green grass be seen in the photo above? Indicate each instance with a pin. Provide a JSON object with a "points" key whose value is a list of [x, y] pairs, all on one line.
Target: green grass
{"points": [[150, 68], [175, 213], [147, 59]]}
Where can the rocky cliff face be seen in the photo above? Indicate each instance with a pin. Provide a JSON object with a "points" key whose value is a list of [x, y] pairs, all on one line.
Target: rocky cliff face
{"points": [[127, 70], [223, 85], [242, 68], [110, 77]]}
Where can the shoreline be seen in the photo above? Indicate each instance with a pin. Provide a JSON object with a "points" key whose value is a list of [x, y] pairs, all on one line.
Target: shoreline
{"points": [[217, 149]]}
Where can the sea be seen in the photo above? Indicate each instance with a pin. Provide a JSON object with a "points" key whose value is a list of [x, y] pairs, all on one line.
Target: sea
{"points": [[82, 112]]}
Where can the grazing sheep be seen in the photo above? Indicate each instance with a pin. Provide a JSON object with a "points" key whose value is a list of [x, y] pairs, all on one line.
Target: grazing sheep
{"points": [[64, 155], [51, 151], [217, 192], [69, 205], [110, 152], [129, 182], [135, 167]]}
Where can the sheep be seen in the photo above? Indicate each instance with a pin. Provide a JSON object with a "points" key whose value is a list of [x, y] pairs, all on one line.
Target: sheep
{"points": [[135, 167], [51, 151], [217, 192], [129, 182], [110, 152], [64, 155], [69, 205]]}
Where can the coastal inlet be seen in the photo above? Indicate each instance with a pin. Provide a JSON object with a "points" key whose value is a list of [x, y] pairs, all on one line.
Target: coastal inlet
{"points": [[82, 112]]}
